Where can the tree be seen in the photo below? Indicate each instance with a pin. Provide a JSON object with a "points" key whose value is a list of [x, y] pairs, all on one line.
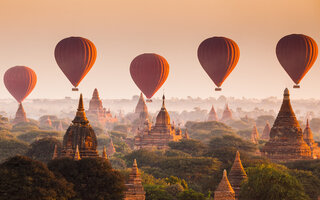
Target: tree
{"points": [[310, 183], [191, 195], [24, 178], [43, 149], [155, 192], [193, 147], [224, 148], [37, 134], [93, 178], [280, 184], [143, 157], [11, 147]]}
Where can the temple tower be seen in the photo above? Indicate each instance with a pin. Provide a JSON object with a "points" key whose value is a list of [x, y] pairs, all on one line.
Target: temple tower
{"points": [[110, 149], [134, 186], [237, 175], [308, 138], [20, 115], [266, 132], [255, 135], [227, 114], [80, 135], [224, 190], [286, 138], [213, 115]]}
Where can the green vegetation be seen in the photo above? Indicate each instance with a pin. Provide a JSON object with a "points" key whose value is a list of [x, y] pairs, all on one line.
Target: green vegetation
{"points": [[24, 178], [43, 149], [93, 178], [10, 147]]}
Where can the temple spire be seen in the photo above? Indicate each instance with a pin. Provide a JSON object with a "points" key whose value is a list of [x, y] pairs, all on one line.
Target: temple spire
{"points": [[237, 175], [80, 115], [77, 154], [224, 190], [104, 153], [163, 101]]}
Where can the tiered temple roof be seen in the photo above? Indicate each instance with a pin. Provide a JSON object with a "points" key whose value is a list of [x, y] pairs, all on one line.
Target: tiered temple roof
{"points": [[286, 138], [159, 135], [266, 132], [80, 135], [308, 138], [255, 135], [141, 105], [134, 186], [212, 115], [224, 190], [96, 112], [227, 114], [237, 175], [20, 115]]}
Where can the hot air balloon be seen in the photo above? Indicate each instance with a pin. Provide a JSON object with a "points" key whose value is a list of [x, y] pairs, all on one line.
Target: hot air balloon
{"points": [[20, 81], [296, 54], [218, 56], [149, 71], [75, 57]]}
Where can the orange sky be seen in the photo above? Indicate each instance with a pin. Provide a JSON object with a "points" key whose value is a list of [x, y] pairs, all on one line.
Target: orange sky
{"points": [[123, 29]]}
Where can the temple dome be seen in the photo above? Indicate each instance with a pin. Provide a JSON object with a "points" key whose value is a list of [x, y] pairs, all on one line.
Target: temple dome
{"points": [[163, 117]]}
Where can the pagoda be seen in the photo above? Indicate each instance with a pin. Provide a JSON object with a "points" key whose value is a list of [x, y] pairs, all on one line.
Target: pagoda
{"points": [[212, 115], [110, 149], [159, 135], [237, 175], [224, 190], [227, 114], [20, 115], [80, 136], [47, 122], [97, 112], [266, 132], [255, 135], [134, 186], [308, 138], [286, 141]]}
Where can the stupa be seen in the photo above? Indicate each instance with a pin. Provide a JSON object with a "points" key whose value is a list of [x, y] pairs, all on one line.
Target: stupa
{"points": [[224, 190], [212, 115], [20, 115], [110, 149], [266, 132], [255, 135], [159, 135], [80, 135], [96, 112], [134, 186], [308, 138], [237, 175], [286, 138], [227, 114]]}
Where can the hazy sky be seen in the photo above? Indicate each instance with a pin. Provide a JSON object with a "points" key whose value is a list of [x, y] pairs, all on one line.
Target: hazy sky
{"points": [[123, 29]]}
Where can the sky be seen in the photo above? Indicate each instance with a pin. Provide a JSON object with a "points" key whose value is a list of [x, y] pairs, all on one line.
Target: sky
{"points": [[123, 29]]}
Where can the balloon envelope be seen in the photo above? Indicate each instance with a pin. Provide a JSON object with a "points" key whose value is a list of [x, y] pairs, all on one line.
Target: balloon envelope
{"points": [[218, 56], [75, 57], [20, 81], [149, 71], [296, 54]]}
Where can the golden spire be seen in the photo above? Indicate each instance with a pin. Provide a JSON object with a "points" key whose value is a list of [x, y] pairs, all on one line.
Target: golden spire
{"points": [[77, 154], [104, 153], [80, 115], [163, 99], [224, 190], [55, 152]]}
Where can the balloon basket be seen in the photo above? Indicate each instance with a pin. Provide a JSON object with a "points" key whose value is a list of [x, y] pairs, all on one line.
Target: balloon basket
{"points": [[149, 100], [75, 89], [218, 89], [296, 86]]}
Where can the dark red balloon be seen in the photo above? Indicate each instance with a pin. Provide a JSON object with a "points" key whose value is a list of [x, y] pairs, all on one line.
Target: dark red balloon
{"points": [[296, 54], [75, 57], [218, 56], [149, 71], [20, 81]]}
